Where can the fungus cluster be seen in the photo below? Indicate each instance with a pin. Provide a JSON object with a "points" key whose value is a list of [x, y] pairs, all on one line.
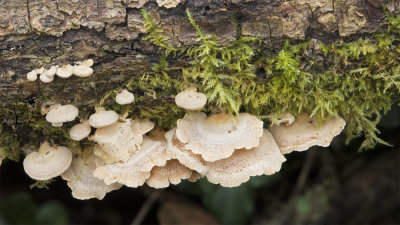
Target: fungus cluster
{"points": [[80, 69], [225, 149]]}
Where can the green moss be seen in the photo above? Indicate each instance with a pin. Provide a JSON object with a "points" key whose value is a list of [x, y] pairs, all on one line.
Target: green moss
{"points": [[356, 80]]}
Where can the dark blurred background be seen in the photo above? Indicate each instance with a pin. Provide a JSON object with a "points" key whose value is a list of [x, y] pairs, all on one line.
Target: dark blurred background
{"points": [[334, 185]]}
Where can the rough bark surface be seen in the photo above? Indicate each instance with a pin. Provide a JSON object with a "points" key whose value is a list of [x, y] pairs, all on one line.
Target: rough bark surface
{"points": [[35, 33]]}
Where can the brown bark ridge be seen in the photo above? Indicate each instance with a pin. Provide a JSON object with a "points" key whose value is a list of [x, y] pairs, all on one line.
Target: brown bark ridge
{"points": [[36, 33]]}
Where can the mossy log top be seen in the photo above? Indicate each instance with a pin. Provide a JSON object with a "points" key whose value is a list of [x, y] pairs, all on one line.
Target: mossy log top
{"points": [[37, 33]]}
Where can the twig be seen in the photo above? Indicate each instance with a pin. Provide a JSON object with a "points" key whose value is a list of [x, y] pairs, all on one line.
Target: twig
{"points": [[301, 181], [146, 208]]}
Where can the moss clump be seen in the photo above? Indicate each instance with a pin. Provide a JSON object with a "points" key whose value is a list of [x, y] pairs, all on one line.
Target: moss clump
{"points": [[356, 80]]}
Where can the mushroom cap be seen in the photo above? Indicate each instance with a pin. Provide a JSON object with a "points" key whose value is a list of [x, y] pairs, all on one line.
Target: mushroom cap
{"points": [[103, 118], [51, 72], [32, 76], [190, 99], [218, 136], [39, 70], [169, 3], [62, 113], [136, 170], [177, 150], [171, 173], [65, 71], [46, 79], [243, 164], [81, 180], [82, 71], [306, 132], [118, 141], [80, 131], [285, 118], [124, 97], [88, 62], [48, 162]]}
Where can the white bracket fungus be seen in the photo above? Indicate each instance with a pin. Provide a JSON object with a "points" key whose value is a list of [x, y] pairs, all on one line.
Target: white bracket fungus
{"points": [[238, 168], [171, 173], [169, 3], [306, 132], [103, 118], [81, 69], [65, 71], [118, 141], [177, 150], [32, 76], [243, 164], [80, 131], [136, 170], [48, 162], [81, 180], [124, 97], [218, 136], [60, 114], [190, 99]]}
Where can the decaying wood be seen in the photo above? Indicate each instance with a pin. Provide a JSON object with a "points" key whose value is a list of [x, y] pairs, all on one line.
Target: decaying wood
{"points": [[35, 33]]}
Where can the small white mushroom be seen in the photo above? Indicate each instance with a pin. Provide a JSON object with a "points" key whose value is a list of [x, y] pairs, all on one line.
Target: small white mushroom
{"points": [[190, 99], [284, 118], [103, 118], [80, 131], [65, 71], [48, 162], [60, 114], [51, 72], [88, 62], [124, 97], [40, 70], [82, 71], [45, 79], [32, 76]]}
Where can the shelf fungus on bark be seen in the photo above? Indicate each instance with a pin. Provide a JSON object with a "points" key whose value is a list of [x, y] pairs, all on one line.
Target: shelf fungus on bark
{"points": [[48, 162], [171, 173], [103, 118], [118, 141], [217, 136], [306, 132], [81, 180], [243, 164], [65, 71], [59, 114], [238, 168], [80, 131], [124, 97], [169, 3], [190, 99], [33, 75], [177, 150], [284, 118], [136, 170], [83, 69]]}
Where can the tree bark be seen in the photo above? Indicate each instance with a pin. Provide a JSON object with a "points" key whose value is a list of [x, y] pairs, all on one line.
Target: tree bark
{"points": [[36, 33]]}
